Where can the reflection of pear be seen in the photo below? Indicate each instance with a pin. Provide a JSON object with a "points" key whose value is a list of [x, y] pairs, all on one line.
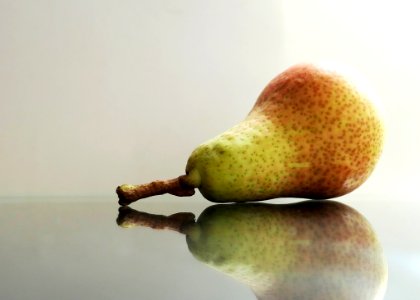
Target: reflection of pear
{"points": [[310, 134], [309, 250]]}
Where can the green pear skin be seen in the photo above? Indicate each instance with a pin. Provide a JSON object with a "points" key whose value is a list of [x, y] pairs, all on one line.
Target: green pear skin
{"points": [[310, 250], [310, 134]]}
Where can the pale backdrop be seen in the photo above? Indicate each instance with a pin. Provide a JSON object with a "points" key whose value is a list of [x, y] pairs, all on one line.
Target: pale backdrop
{"points": [[96, 93]]}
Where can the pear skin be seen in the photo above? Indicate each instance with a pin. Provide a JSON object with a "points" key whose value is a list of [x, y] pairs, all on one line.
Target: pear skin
{"points": [[311, 134]]}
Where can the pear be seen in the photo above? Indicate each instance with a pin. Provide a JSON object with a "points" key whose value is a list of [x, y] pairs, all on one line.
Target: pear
{"points": [[310, 134], [308, 250]]}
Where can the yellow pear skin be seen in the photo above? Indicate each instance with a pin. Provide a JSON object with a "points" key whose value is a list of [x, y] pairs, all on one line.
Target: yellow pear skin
{"points": [[310, 134]]}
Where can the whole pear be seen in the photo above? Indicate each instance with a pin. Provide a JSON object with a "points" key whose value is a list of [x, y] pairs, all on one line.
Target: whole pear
{"points": [[312, 250], [310, 134]]}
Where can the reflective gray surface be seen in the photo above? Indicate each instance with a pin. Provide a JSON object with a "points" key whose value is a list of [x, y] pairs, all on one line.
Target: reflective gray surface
{"points": [[73, 249]]}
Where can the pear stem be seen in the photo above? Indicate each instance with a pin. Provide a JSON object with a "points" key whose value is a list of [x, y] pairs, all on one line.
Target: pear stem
{"points": [[128, 193], [129, 218]]}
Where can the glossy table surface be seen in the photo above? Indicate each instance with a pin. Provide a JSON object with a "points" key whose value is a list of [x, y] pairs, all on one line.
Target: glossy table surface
{"points": [[72, 248]]}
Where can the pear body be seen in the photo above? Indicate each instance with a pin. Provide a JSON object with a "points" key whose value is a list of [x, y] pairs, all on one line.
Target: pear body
{"points": [[310, 250], [310, 134]]}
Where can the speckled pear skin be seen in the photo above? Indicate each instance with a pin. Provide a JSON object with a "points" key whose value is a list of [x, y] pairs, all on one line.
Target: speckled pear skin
{"points": [[311, 134], [309, 250]]}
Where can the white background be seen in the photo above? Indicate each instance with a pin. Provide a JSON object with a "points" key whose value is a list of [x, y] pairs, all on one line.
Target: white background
{"points": [[98, 93]]}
